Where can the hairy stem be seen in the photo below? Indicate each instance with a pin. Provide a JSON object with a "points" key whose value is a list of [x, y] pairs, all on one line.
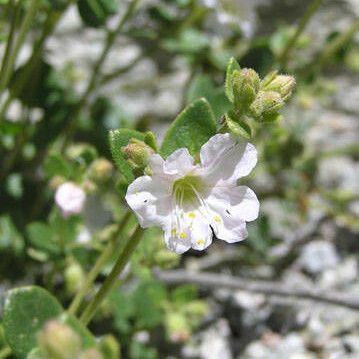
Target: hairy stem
{"points": [[112, 278], [47, 30], [15, 7], [311, 10], [24, 28], [96, 269]]}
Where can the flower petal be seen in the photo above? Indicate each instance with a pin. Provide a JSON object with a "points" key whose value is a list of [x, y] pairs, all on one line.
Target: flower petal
{"points": [[150, 199], [156, 163], [186, 230], [231, 230], [201, 233], [177, 240], [180, 162], [240, 201], [224, 159]]}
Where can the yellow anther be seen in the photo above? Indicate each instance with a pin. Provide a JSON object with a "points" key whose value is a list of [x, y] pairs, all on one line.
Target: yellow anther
{"points": [[173, 232], [183, 235], [200, 241], [191, 215], [217, 219]]}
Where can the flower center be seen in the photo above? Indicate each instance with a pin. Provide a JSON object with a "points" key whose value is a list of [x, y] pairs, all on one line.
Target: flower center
{"points": [[185, 189]]}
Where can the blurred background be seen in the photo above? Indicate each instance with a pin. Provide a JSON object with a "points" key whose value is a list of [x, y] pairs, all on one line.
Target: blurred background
{"points": [[85, 67]]}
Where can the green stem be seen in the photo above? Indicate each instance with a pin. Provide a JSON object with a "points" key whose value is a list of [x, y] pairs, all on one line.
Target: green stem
{"points": [[311, 10], [110, 39], [10, 39], [24, 28], [48, 28], [5, 352], [112, 279], [96, 269]]}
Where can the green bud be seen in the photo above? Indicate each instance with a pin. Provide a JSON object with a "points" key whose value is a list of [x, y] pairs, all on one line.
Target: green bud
{"points": [[101, 170], [166, 259], [177, 327], [267, 102], [58, 341], [137, 153], [283, 84], [74, 277], [246, 85], [109, 347], [91, 354]]}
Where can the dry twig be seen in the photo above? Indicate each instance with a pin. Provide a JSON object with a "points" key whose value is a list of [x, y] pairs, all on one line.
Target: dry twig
{"points": [[214, 280]]}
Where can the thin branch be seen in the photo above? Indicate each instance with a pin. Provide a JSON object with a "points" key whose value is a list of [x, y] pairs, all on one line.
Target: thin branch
{"points": [[312, 8], [214, 280]]}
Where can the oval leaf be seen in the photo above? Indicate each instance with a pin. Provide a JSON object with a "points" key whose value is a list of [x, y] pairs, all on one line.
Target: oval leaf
{"points": [[26, 311], [191, 129], [231, 67]]}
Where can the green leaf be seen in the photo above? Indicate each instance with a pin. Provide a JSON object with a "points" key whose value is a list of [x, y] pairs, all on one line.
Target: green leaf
{"points": [[41, 236], [148, 299], [237, 126], [118, 139], [191, 129], [56, 165], [231, 67], [26, 310], [94, 13], [10, 238]]}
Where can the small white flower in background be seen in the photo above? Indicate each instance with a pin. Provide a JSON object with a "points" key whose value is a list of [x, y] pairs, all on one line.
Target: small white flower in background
{"points": [[191, 202], [70, 198]]}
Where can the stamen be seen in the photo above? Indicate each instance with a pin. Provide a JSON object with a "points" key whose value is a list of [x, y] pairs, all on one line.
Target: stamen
{"points": [[217, 219], [183, 235]]}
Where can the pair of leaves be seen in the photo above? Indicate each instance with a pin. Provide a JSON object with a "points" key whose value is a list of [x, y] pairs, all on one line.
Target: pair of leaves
{"points": [[191, 129], [26, 311]]}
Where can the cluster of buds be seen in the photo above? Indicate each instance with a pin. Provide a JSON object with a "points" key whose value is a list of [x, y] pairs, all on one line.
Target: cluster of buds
{"points": [[260, 99]]}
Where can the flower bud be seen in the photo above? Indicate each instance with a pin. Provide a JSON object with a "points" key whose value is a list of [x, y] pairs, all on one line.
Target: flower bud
{"points": [[74, 277], [137, 153], [166, 259], [70, 198], [101, 170], [246, 85], [109, 347], [266, 103], [91, 354], [177, 327], [282, 84], [58, 341]]}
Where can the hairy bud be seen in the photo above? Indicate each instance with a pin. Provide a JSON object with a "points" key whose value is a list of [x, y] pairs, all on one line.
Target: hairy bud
{"points": [[266, 103], [246, 85], [58, 341], [137, 153], [282, 84]]}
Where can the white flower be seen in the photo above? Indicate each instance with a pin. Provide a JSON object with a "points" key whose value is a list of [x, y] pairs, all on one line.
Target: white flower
{"points": [[70, 198], [191, 202]]}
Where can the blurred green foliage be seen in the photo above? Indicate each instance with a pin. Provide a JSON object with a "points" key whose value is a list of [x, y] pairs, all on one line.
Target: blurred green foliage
{"points": [[60, 134]]}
